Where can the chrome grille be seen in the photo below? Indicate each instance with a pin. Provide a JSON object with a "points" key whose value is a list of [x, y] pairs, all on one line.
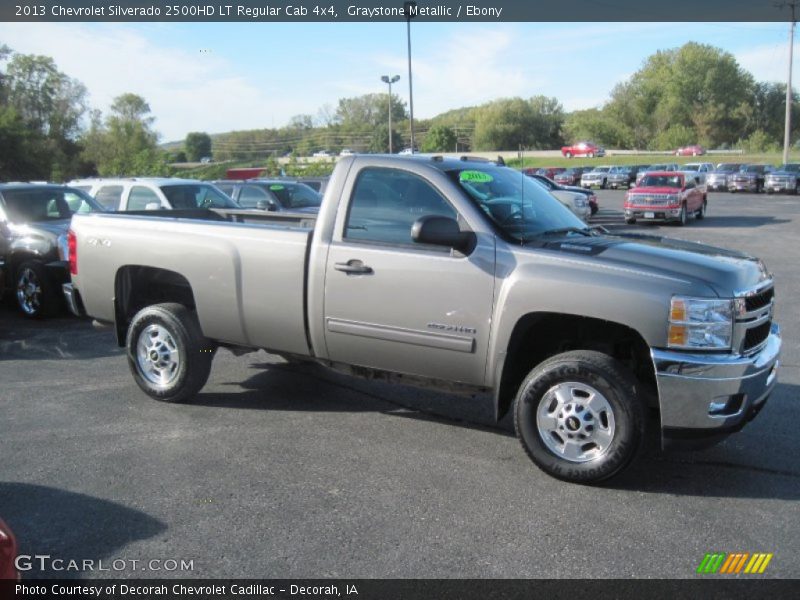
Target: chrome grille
{"points": [[759, 300], [752, 327], [650, 199]]}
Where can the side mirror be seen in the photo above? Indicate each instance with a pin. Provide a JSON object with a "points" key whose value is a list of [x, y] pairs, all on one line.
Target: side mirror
{"points": [[442, 231], [152, 206]]}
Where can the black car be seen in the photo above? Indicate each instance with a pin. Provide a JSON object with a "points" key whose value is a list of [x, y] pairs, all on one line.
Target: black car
{"points": [[551, 185], [34, 219]]}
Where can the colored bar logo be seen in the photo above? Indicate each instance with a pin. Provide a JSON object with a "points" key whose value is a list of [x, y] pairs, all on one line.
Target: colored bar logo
{"points": [[734, 563]]}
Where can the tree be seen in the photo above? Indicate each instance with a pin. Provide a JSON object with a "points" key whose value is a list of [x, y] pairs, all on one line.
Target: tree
{"points": [[696, 86], [42, 114], [379, 143], [440, 138], [125, 143], [197, 145], [509, 123], [369, 110]]}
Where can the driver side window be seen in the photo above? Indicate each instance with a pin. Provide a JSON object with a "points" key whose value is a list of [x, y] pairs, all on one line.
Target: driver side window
{"points": [[386, 203]]}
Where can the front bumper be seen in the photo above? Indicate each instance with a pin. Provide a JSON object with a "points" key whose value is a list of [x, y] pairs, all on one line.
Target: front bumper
{"points": [[653, 213], [714, 185], [743, 186], [703, 397], [780, 186]]}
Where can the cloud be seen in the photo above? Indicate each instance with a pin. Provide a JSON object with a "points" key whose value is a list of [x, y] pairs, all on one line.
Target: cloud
{"points": [[768, 62], [187, 90]]}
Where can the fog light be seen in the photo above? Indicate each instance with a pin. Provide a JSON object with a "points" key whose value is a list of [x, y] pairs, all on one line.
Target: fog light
{"points": [[726, 406]]}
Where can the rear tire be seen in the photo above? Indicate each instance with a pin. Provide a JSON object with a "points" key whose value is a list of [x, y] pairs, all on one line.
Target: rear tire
{"points": [[167, 354], [701, 212], [568, 154], [579, 418], [630, 221], [34, 292]]}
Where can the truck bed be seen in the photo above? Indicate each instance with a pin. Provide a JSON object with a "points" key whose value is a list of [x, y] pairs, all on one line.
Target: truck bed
{"points": [[246, 269]]}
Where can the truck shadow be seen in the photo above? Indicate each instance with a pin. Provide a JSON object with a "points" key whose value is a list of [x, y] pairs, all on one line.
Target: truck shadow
{"points": [[70, 526], [60, 337], [752, 464]]}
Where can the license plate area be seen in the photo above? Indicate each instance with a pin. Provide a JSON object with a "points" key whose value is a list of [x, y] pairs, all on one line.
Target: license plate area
{"points": [[649, 215]]}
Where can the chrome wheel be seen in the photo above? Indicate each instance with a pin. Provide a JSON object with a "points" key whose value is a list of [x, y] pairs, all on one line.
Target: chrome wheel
{"points": [[157, 357], [575, 422], [29, 291]]}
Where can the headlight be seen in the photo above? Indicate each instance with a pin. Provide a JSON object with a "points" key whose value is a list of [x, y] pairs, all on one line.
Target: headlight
{"points": [[700, 323], [673, 199]]}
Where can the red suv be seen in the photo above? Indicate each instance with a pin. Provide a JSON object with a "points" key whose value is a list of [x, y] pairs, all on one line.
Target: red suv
{"points": [[665, 196]]}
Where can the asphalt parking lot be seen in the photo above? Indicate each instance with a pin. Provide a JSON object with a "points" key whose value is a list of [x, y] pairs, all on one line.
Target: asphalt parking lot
{"points": [[284, 470]]}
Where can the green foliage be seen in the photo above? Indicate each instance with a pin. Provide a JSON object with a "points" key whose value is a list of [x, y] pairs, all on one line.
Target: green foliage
{"points": [[598, 126], [41, 110], [440, 138], [696, 86], [197, 145], [125, 144], [380, 140], [759, 141], [513, 122], [674, 137]]}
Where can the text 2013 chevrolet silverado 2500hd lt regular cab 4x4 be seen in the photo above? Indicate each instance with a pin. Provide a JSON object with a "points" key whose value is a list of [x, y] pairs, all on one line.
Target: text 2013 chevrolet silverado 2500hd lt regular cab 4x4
{"points": [[454, 273]]}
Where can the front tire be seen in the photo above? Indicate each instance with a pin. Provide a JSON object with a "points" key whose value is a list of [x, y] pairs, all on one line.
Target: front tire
{"points": [[682, 218], [167, 354], [579, 417]]}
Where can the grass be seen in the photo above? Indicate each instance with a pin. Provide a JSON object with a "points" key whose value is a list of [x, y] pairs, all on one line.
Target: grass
{"points": [[772, 158]]}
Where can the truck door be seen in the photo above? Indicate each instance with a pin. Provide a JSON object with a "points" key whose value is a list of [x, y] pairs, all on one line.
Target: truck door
{"points": [[400, 306]]}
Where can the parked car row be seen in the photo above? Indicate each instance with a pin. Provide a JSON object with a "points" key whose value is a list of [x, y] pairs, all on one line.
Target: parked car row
{"points": [[35, 217]]}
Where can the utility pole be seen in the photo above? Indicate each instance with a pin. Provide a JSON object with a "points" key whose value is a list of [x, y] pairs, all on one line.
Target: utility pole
{"points": [[410, 11], [787, 126]]}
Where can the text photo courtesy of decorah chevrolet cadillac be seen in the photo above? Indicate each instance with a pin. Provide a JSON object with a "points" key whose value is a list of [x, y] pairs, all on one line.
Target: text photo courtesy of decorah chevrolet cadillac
{"points": [[580, 333]]}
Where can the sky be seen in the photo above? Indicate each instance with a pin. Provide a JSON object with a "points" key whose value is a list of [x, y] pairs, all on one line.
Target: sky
{"points": [[218, 77]]}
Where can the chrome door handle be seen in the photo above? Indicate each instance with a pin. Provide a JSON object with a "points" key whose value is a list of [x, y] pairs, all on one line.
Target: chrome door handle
{"points": [[353, 267]]}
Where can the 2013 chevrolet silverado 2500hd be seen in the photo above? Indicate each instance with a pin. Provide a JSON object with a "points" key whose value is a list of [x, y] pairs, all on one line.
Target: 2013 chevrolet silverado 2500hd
{"points": [[454, 273]]}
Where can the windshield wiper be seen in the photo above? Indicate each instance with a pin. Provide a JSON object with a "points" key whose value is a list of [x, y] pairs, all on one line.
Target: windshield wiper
{"points": [[583, 231]]}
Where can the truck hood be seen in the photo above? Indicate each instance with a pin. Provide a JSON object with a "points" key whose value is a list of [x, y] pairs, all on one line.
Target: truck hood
{"points": [[724, 271], [654, 190]]}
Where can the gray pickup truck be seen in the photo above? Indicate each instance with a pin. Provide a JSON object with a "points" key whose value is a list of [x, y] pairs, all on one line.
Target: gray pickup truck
{"points": [[455, 274]]}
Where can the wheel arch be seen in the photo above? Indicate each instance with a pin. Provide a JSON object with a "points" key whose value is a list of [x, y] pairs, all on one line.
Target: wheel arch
{"points": [[136, 287], [540, 335]]}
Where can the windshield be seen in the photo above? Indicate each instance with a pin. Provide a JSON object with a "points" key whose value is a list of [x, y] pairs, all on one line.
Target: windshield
{"points": [[790, 168], [196, 195], [35, 205], [729, 167], [295, 195], [518, 205], [691, 168], [671, 181]]}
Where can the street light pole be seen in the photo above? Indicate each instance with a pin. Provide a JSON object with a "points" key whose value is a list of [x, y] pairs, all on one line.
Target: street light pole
{"points": [[386, 79], [410, 12]]}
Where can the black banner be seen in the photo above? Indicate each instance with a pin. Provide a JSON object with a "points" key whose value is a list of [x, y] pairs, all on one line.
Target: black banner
{"points": [[400, 589], [396, 10]]}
